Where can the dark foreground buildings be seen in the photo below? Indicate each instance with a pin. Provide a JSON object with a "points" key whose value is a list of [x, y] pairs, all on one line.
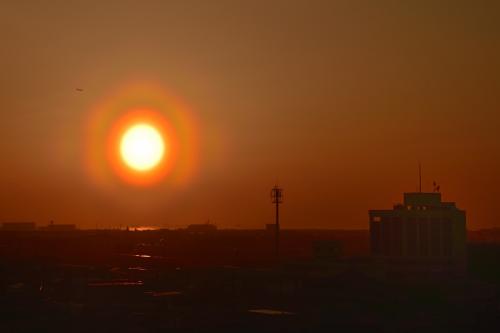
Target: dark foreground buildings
{"points": [[18, 226], [423, 228], [229, 281]]}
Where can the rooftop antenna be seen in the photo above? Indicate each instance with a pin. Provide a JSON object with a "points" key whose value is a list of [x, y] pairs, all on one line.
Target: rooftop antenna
{"points": [[277, 198], [419, 177]]}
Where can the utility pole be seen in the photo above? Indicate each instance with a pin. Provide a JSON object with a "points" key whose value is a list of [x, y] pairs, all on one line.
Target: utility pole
{"points": [[277, 198]]}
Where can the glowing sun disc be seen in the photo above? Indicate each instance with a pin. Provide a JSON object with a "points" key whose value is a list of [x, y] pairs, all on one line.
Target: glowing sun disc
{"points": [[142, 147]]}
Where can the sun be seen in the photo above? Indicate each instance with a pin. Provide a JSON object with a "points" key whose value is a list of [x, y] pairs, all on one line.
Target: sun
{"points": [[142, 147]]}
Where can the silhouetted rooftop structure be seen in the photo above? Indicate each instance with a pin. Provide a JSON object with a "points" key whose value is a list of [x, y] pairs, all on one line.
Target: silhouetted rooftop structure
{"points": [[421, 227]]}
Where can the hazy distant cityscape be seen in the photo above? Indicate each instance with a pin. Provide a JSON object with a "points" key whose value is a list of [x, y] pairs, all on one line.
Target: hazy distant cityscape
{"points": [[397, 276], [249, 166]]}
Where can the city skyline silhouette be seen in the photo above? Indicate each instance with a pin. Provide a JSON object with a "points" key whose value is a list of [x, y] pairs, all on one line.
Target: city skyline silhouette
{"points": [[249, 166]]}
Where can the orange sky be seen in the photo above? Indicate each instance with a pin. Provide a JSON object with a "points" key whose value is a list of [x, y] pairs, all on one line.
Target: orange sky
{"points": [[337, 100]]}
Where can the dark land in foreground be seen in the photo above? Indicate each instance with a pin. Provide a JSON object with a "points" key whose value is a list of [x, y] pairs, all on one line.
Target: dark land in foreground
{"points": [[231, 281]]}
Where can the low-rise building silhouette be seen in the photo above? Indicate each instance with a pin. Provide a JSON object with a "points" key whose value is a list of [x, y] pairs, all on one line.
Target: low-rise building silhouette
{"points": [[423, 227], [18, 226], [271, 227], [59, 227], [201, 228], [327, 249]]}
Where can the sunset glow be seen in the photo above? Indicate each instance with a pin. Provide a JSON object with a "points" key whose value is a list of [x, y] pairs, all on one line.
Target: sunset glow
{"points": [[142, 136], [231, 166], [142, 147]]}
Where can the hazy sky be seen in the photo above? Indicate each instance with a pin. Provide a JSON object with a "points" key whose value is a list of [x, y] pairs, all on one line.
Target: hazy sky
{"points": [[337, 100]]}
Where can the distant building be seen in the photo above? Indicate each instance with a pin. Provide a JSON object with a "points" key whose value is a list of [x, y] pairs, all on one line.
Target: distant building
{"points": [[202, 228], [423, 227], [59, 227], [327, 249], [18, 226], [271, 227]]}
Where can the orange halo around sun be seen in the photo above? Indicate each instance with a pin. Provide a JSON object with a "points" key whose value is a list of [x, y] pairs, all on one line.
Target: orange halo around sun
{"points": [[116, 115]]}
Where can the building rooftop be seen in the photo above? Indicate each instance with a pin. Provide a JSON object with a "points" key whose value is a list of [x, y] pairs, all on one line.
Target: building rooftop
{"points": [[422, 199]]}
